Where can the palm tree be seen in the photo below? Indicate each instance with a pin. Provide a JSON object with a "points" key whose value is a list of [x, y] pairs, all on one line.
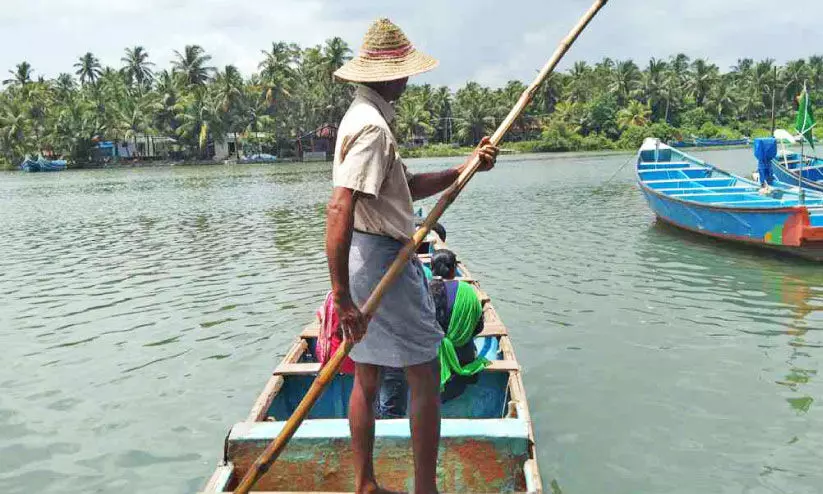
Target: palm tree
{"points": [[137, 67], [135, 116], [816, 72], [473, 105], [702, 78], [440, 106], [336, 52], [21, 76], [277, 71], [579, 85], [635, 115], [88, 68], [192, 65], [653, 84], [795, 75], [229, 97], [168, 91], [722, 99], [413, 119], [64, 84], [625, 79]]}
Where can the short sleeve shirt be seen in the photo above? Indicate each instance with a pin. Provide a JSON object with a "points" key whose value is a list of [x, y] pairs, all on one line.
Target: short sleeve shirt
{"points": [[366, 160]]}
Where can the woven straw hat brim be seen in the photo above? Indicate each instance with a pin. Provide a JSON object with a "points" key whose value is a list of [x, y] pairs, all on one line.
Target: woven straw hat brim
{"points": [[362, 69]]}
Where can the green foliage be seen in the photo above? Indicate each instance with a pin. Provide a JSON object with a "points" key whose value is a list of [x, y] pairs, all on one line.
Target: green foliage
{"points": [[611, 104]]}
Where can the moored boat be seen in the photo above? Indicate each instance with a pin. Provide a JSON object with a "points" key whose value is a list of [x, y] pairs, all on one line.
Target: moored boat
{"points": [[788, 168], [697, 196], [42, 165], [700, 142], [487, 441]]}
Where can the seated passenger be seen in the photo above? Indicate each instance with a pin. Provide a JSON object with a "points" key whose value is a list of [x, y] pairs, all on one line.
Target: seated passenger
{"points": [[460, 315]]}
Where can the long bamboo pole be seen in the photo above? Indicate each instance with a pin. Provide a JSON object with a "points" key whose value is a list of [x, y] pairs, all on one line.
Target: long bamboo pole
{"points": [[262, 464]]}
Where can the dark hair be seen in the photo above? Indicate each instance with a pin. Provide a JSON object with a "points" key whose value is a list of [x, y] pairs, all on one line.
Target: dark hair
{"points": [[444, 263]]}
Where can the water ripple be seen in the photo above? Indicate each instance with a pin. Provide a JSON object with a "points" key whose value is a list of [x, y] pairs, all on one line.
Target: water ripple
{"points": [[146, 308]]}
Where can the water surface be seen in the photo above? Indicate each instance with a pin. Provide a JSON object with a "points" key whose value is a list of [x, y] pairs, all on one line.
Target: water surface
{"points": [[142, 310]]}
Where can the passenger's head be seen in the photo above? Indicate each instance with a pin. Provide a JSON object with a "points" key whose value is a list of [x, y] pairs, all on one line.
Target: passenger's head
{"points": [[444, 264]]}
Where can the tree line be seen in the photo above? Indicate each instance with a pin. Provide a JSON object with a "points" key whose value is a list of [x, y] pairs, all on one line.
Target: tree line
{"points": [[609, 104]]}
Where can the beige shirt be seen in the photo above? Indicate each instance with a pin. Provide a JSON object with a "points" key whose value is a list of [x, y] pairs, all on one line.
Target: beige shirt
{"points": [[366, 160]]}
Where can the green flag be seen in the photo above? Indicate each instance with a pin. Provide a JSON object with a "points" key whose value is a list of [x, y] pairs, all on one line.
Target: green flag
{"points": [[805, 118]]}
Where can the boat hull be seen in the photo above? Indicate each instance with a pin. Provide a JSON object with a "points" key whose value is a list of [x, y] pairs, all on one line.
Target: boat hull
{"points": [[43, 165], [777, 230]]}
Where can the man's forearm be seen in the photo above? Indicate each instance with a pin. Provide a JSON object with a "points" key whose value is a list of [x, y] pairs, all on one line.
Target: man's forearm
{"points": [[423, 185], [339, 226]]}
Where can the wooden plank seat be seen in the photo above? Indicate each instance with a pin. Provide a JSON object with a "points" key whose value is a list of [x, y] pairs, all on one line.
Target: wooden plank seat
{"points": [[718, 188], [696, 180], [710, 194], [312, 368]]}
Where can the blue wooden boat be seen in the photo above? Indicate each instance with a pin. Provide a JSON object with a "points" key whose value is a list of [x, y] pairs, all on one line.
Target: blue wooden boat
{"points": [[696, 196], [487, 440], [787, 169], [699, 142], [42, 165]]}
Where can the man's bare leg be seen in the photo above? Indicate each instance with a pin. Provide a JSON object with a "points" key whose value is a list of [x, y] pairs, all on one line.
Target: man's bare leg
{"points": [[361, 425], [424, 382]]}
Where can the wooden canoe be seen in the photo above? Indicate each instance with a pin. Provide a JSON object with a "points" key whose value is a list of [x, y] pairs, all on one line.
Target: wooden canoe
{"points": [[487, 440]]}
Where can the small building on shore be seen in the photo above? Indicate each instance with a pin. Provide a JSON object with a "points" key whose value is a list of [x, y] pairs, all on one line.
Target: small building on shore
{"points": [[141, 147], [317, 145]]}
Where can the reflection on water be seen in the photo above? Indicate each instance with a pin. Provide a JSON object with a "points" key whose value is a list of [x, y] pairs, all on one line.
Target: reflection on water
{"points": [[146, 307]]}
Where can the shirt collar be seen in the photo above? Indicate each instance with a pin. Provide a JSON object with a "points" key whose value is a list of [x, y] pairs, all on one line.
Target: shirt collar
{"points": [[373, 97]]}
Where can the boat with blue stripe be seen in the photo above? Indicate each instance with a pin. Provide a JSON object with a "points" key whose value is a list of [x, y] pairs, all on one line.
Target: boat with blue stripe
{"points": [[697, 196], [700, 142], [788, 168], [487, 440], [42, 165]]}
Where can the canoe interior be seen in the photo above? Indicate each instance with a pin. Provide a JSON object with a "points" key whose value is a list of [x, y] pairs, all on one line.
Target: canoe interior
{"points": [[678, 175], [487, 440], [486, 399]]}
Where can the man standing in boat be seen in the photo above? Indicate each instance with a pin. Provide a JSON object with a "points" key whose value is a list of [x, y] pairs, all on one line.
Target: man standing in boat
{"points": [[369, 219]]}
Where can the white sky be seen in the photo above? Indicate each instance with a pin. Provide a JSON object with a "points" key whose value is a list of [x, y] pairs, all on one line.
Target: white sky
{"points": [[483, 40]]}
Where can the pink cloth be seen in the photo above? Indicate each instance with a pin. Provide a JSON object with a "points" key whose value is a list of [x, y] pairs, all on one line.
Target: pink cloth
{"points": [[330, 337]]}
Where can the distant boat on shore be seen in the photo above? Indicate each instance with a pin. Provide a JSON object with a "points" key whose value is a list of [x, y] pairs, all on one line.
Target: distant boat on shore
{"points": [[699, 142], [42, 165]]}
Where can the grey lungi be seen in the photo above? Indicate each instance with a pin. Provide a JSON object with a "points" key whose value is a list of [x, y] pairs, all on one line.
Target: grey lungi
{"points": [[404, 330]]}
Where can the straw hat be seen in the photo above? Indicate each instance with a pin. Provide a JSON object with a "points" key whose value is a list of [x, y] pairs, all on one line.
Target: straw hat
{"points": [[386, 55]]}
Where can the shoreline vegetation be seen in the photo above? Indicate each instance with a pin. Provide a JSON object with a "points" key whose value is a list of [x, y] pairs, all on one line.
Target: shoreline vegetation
{"points": [[191, 112]]}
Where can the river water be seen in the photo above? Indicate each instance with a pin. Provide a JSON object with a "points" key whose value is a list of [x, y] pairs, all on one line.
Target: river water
{"points": [[143, 309]]}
